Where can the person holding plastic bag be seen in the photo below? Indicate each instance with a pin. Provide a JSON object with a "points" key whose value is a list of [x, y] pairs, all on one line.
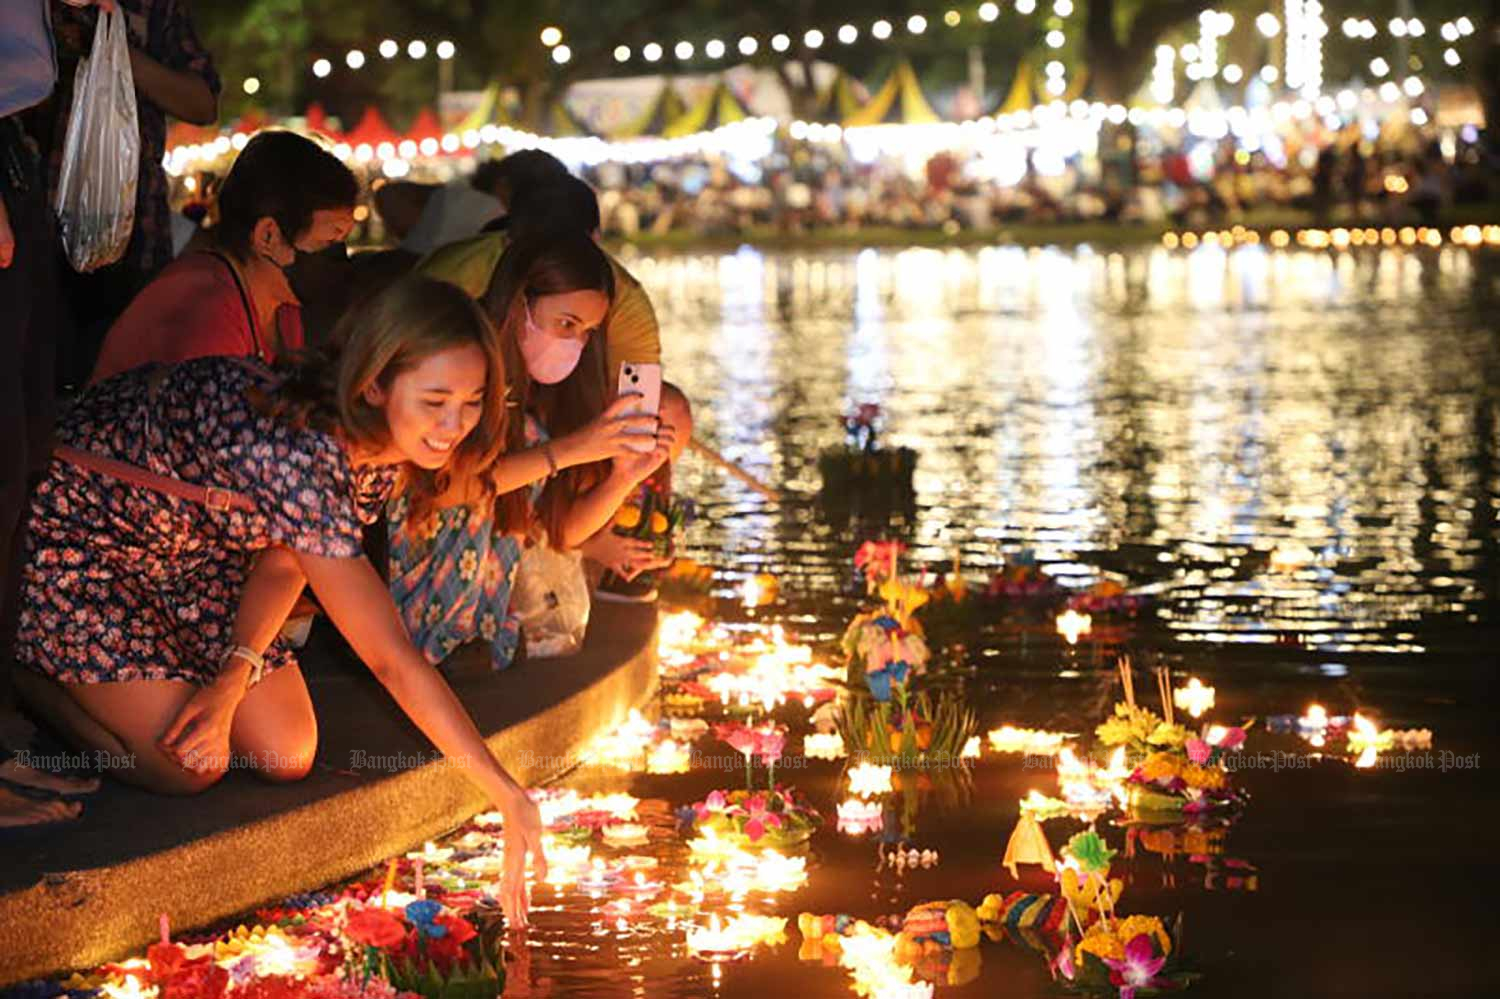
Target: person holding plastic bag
{"points": [[101, 154], [173, 74], [28, 320], [566, 469]]}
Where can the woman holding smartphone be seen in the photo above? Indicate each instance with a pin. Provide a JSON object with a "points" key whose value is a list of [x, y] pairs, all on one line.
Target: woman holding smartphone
{"points": [[569, 464]]}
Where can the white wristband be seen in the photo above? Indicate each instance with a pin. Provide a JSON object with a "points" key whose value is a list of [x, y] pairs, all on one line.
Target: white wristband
{"points": [[255, 659]]}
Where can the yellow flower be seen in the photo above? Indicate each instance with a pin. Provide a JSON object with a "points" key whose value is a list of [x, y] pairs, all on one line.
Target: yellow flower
{"points": [[1115, 732], [659, 523], [1168, 735], [1161, 766], [628, 518], [904, 598], [1130, 927], [1203, 778], [1101, 943]]}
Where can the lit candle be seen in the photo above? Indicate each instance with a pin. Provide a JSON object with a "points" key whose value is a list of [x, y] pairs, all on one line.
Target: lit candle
{"points": [[1072, 625], [869, 780], [1195, 698], [823, 746], [857, 817]]}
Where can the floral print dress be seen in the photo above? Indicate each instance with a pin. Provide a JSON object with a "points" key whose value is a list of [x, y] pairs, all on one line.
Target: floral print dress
{"points": [[126, 583], [452, 578]]}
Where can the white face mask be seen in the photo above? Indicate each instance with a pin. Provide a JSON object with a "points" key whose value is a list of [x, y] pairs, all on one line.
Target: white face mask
{"points": [[549, 359]]}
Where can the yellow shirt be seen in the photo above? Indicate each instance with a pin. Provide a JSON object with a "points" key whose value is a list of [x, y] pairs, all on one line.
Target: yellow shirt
{"points": [[629, 327]]}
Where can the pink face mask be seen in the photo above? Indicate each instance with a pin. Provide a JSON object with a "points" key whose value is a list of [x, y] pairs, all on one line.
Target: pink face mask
{"points": [[549, 359]]}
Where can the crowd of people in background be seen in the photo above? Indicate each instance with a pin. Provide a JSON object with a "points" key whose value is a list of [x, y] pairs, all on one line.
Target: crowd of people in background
{"points": [[809, 188]]}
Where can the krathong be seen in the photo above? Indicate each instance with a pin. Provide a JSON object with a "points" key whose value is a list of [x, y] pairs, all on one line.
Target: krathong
{"points": [[857, 817], [869, 780], [1029, 741], [777, 818], [823, 746], [735, 939]]}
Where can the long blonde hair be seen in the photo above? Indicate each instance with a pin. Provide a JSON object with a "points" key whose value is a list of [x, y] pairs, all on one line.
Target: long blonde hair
{"points": [[378, 339]]}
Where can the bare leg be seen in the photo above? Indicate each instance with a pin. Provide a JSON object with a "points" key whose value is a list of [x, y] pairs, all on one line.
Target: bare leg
{"points": [[275, 728], [122, 722]]}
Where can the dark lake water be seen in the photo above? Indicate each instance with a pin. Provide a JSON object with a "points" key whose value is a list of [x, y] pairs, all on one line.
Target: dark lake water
{"points": [[1293, 453]]}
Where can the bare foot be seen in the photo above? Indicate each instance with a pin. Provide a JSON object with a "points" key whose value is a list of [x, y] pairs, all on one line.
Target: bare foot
{"points": [[18, 811], [43, 780]]}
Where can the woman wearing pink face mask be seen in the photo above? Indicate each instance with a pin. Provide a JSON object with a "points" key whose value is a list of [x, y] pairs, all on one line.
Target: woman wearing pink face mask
{"points": [[567, 468]]}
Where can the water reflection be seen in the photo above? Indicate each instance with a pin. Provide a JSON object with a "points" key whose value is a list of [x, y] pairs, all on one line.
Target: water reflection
{"points": [[1177, 416]]}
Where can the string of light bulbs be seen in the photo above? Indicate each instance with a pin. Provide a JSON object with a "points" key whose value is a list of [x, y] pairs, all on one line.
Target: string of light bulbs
{"points": [[847, 33]]}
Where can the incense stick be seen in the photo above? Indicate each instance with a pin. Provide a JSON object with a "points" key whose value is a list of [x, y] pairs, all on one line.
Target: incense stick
{"points": [[1127, 681]]}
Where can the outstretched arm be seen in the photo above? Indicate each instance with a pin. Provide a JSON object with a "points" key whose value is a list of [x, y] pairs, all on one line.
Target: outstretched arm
{"points": [[361, 607]]}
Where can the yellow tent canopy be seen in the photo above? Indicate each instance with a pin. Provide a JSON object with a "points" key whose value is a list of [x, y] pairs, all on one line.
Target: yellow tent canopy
{"points": [[900, 101], [489, 111], [665, 108], [562, 123], [718, 107], [838, 102], [1021, 97]]}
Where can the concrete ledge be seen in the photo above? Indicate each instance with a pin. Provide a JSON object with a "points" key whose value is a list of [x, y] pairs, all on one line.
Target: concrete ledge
{"points": [[92, 891]]}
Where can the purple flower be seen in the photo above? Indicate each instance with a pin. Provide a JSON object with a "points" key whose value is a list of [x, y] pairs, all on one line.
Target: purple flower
{"points": [[1137, 969]]}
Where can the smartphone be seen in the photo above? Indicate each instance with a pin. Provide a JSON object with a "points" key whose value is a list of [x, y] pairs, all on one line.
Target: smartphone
{"points": [[645, 381]]}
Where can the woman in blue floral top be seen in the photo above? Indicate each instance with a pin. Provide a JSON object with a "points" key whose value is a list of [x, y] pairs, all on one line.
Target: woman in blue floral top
{"points": [[146, 614], [568, 467]]}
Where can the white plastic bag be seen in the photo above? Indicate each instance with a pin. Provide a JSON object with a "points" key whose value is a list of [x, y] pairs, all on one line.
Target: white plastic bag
{"points": [[551, 600], [101, 155]]}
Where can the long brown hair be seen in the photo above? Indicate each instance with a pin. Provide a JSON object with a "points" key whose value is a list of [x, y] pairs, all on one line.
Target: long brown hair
{"points": [[375, 341], [535, 264]]}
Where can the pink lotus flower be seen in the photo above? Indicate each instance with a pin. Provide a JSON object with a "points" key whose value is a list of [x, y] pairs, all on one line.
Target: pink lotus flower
{"points": [[759, 818], [765, 742], [875, 558], [866, 414], [1137, 969], [1233, 738], [739, 737], [772, 740], [715, 802], [1199, 751]]}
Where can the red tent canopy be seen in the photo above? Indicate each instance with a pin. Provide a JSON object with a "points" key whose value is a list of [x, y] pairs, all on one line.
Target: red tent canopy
{"points": [[317, 120], [425, 126], [181, 133], [371, 129], [252, 121]]}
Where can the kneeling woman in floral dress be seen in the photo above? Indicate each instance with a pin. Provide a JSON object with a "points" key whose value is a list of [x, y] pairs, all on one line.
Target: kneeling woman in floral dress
{"points": [[187, 506]]}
